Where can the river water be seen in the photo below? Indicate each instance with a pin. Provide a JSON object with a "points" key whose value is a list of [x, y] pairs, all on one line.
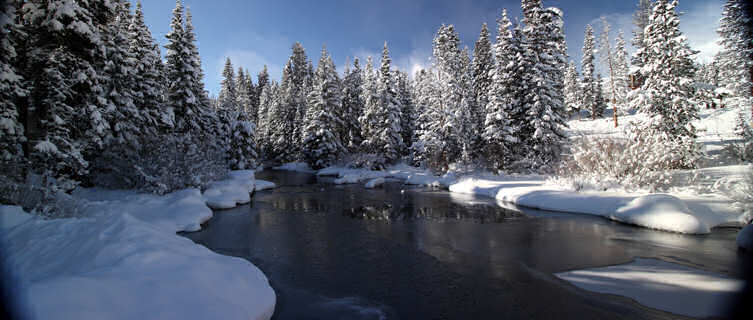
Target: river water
{"points": [[401, 252]]}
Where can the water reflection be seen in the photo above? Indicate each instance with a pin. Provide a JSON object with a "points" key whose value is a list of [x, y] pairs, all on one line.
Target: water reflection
{"points": [[335, 252]]}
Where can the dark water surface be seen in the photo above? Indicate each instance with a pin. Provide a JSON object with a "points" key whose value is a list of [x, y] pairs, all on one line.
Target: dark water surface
{"points": [[401, 252]]}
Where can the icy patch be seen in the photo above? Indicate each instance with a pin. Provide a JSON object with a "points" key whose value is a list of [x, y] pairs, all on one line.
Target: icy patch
{"points": [[295, 166], [374, 183], [661, 285], [662, 212], [745, 238], [230, 193], [11, 216], [124, 261], [264, 185]]}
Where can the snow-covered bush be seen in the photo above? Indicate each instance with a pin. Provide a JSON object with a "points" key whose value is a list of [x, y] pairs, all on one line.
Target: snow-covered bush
{"points": [[742, 150], [645, 159], [163, 164]]}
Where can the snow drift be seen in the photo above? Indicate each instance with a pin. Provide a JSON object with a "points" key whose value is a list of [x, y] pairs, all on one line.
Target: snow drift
{"points": [[125, 261]]}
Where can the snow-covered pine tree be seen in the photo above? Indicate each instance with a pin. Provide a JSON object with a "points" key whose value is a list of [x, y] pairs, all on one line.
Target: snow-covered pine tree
{"points": [[242, 96], [587, 70], [387, 140], [321, 138], [599, 101], [12, 138], [197, 142], [64, 107], [269, 101], [228, 98], [668, 84], [427, 140], [621, 70], [181, 76], [262, 79], [572, 90], [353, 106], [368, 119], [543, 103], [736, 57], [483, 66], [608, 63], [287, 144], [243, 150], [253, 100], [282, 120], [498, 132], [114, 165], [455, 126], [149, 77], [407, 109], [207, 116], [117, 80]]}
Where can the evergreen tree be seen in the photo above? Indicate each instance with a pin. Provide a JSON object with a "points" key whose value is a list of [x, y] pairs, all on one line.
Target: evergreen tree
{"points": [[199, 140], [321, 137], [483, 66], [407, 111], [608, 62], [426, 139], [668, 84], [503, 107], [543, 102], [640, 19], [64, 107], [736, 57], [621, 70], [587, 70], [269, 101], [242, 95], [250, 91], [242, 151], [572, 90], [294, 84], [599, 101], [12, 136], [228, 99], [368, 119], [182, 76], [353, 105], [381, 119], [455, 99], [148, 77]]}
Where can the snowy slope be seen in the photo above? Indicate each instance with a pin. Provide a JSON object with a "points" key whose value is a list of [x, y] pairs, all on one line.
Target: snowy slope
{"points": [[125, 261]]}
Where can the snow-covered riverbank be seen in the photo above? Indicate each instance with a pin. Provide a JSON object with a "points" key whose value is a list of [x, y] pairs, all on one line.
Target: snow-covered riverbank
{"points": [[124, 260], [691, 208]]}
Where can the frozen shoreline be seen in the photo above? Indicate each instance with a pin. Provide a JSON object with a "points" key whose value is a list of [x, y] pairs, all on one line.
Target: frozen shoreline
{"points": [[124, 260]]}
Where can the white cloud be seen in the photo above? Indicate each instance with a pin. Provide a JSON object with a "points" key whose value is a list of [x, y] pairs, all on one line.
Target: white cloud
{"points": [[699, 24]]}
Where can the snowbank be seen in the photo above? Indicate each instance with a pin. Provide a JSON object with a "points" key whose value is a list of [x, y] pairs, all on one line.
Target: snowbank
{"points": [[411, 175], [661, 285], [374, 183], [11, 216], [660, 211], [745, 238], [264, 185], [232, 192], [676, 213], [295, 166], [124, 261]]}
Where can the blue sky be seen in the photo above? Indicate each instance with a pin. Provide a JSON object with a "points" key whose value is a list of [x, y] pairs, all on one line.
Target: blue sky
{"points": [[254, 33]]}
